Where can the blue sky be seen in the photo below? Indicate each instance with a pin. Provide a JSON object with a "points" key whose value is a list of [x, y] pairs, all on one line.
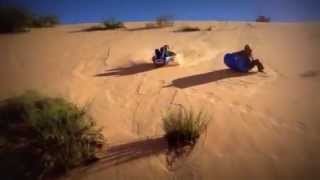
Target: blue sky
{"points": [[78, 11]]}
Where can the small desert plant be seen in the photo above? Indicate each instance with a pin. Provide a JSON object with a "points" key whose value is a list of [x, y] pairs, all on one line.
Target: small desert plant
{"points": [[263, 19], [188, 29], [183, 127], [112, 24], [109, 24], [45, 21], [42, 135], [164, 21], [14, 19], [209, 28], [160, 22], [151, 25]]}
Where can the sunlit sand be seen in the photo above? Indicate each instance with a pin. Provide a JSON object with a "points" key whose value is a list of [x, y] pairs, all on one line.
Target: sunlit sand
{"points": [[264, 125]]}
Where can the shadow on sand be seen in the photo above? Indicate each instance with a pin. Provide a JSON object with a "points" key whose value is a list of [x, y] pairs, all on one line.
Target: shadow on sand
{"points": [[135, 150], [187, 29], [101, 28], [310, 74], [90, 29], [94, 29], [143, 28], [199, 79], [130, 70], [125, 153]]}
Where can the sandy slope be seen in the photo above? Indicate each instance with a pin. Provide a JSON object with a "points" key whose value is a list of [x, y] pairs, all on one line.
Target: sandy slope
{"points": [[264, 126]]}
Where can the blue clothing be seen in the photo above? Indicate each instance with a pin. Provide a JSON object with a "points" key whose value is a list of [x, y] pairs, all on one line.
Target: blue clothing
{"points": [[237, 62], [158, 54], [163, 56], [164, 53]]}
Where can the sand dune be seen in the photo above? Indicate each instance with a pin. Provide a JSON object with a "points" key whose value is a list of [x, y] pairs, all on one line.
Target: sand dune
{"points": [[264, 126]]}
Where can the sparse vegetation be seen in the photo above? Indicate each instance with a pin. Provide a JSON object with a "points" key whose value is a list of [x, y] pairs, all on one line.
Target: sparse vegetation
{"points": [[184, 127], [263, 19], [209, 28], [112, 24], [45, 21], [151, 25], [42, 135], [164, 21], [109, 24], [188, 29], [160, 22], [16, 19]]}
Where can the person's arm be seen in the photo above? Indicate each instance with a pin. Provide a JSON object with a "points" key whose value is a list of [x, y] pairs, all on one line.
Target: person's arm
{"points": [[170, 53], [238, 53], [162, 52], [251, 58]]}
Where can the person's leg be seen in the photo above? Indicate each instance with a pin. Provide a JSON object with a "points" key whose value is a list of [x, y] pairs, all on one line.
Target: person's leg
{"points": [[258, 64], [167, 60], [162, 53], [158, 54]]}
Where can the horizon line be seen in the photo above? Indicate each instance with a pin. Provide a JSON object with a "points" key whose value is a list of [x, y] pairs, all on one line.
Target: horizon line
{"points": [[193, 20]]}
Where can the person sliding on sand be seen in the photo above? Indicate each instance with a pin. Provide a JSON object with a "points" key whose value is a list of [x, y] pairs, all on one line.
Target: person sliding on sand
{"points": [[242, 61], [164, 54], [246, 53]]}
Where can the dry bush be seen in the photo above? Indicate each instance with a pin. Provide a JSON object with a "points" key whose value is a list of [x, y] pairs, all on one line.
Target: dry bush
{"points": [[112, 23], [16, 19], [263, 19], [43, 135], [151, 25], [164, 21], [184, 127], [45, 21], [209, 28]]}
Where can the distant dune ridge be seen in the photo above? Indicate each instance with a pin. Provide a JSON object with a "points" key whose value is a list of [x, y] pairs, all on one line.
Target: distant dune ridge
{"points": [[264, 126]]}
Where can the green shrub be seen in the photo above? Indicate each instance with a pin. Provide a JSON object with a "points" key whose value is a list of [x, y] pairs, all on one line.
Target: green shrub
{"points": [[43, 135], [151, 26], [160, 22], [263, 19], [183, 127], [164, 21], [45, 21], [14, 19], [113, 24]]}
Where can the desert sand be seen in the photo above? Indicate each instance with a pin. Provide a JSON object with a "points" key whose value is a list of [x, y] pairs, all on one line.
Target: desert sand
{"points": [[263, 125]]}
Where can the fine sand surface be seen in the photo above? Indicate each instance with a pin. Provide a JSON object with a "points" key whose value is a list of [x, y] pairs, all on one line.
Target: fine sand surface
{"points": [[264, 126]]}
